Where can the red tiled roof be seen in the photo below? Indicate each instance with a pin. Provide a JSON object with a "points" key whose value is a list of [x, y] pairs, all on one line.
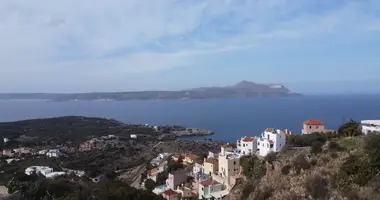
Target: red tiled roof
{"points": [[212, 160], [313, 122], [191, 156], [169, 192], [163, 163], [153, 171], [269, 130], [248, 139], [271, 142], [209, 182]]}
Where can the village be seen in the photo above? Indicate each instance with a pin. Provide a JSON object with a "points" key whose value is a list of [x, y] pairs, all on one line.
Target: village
{"points": [[181, 176], [213, 176]]}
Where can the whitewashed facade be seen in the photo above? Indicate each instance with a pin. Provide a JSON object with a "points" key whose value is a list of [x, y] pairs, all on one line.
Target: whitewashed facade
{"points": [[247, 145], [271, 140], [370, 126]]}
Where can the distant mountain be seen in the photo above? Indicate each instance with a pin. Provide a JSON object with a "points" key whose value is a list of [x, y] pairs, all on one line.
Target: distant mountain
{"points": [[244, 89]]}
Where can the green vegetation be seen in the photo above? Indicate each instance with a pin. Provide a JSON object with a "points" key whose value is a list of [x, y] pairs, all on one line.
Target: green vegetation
{"points": [[61, 130], [360, 169], [317, 186], [35, 188], [253, 167]]}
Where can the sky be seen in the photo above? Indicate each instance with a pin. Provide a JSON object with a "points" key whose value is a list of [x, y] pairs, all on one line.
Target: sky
{"points": [[310, 46]]}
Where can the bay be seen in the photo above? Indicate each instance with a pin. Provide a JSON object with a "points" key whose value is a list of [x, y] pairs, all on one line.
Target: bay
{"points": [[229, 118]]}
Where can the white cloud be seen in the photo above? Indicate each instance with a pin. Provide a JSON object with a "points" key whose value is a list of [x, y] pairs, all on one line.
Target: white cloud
{"points": [[57, 40]]}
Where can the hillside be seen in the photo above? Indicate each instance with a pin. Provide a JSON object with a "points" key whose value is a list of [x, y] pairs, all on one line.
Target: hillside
{"points": [[339, 168], [243, 89]]}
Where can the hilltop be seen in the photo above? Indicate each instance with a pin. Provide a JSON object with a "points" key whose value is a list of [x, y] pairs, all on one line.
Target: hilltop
{"points": [[244, 89], [316, 166]]}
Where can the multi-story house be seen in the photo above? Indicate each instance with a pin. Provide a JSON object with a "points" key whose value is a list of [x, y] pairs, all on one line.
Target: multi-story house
{"points": [[313, 126], [208, 187], [229, 162], [53, 153], [176, 178], [247, 145], [271, 140], [210, 166], [197, 168], [370, 126]]}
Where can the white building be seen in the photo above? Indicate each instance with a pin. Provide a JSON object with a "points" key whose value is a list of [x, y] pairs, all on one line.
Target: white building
{"points": [[6, 140], [271, 140], [197, 168], [208, 187], [53, 153], [44, 170], [247, 145], [370, 126], [133, 136], [42, 152], [38, 169], [54, 174], [229, 162]]}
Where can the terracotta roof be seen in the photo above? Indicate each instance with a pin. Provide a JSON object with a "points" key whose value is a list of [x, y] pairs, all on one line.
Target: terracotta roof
{"points": [[271, 142], [248, 139], [169, 192], [269, 130], [152, 171], [313, 122], [163, 163], [212, 160], [209, 182], [191, 156]]}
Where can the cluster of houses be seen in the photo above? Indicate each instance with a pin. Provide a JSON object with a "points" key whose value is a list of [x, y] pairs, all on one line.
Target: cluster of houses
{"points": [[25, 151], [43, 170], [215, 175]]}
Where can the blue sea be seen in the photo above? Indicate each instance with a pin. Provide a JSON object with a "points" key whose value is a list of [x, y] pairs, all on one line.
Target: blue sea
{"points": [[229, 118]]}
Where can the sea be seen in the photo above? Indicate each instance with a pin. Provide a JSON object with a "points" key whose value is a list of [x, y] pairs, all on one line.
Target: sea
{"points": [[230, 119]]}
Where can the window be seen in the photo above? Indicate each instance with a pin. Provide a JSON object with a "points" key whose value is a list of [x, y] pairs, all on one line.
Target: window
{"points": [[317, 127], [202, 188], [268, 136], [309, 127], [234, 162]]}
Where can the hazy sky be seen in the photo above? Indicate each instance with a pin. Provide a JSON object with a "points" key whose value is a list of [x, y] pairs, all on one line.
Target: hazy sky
{"points": [[119, 45]]}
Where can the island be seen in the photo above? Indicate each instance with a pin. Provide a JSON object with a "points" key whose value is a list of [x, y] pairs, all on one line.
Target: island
{"points": [[243, 89]]}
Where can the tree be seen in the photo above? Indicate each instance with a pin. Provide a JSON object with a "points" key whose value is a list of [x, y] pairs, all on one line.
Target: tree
{"points": [[349, 129], [316, 147], [149, 184], [317, 186]]}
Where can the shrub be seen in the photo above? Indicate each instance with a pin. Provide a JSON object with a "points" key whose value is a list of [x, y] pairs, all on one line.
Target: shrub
{"points": [[285, 169], [247, 190], [350, 128], [271, 157], [352, 195], [316, 147], [334, 146], [306, 140], [252, 166], [317, 186], [300, 162], [334, 155], [313, 162], [265, 193], [149, 184]]}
